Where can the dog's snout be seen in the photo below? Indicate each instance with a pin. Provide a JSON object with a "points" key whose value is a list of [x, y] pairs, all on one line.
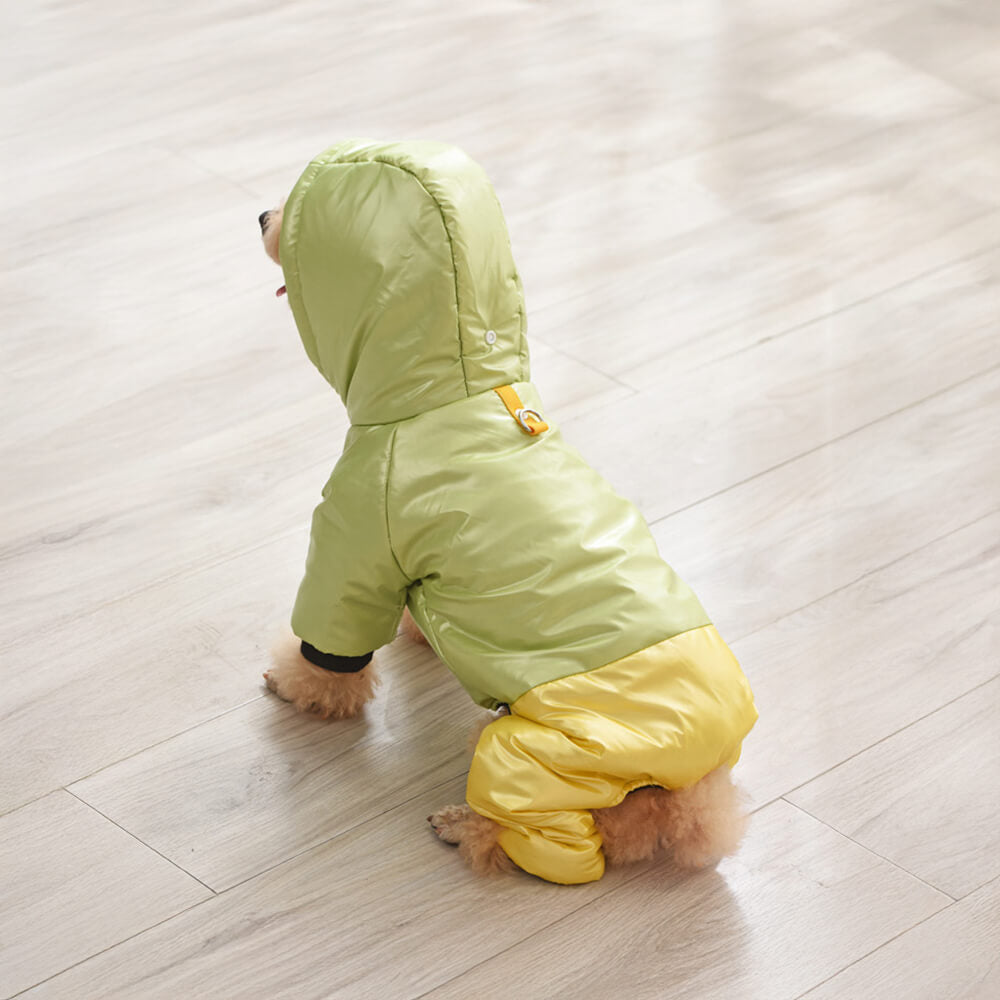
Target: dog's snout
{"points": [[262, 219]]}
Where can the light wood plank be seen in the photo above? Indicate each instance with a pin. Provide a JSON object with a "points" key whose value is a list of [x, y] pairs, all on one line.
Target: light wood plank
{"points": [[111, 683], [251, 363], [796, 889], [707, 430], [385, 910], [797, 241], [244, 792], [162, 514], [928, 797], [73, 884], [838, 676], [944, 40], [786, 538], [688, 83], [896, 334], [794, 881], [207, 69], [952, 955], [106, 278], [67, 210]]}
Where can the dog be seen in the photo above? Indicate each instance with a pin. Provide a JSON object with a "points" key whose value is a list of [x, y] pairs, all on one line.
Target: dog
{"points": [[458, 509]]}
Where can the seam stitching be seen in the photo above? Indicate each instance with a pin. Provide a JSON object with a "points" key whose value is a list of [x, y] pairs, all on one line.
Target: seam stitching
{"points": [[385, 504]]}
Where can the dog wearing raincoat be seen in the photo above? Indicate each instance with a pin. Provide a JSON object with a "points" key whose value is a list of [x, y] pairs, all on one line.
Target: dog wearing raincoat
{"points": [[619, 709]]}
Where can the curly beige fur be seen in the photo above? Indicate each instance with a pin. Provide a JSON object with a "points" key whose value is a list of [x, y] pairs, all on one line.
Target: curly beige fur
{"points": [[701, 825], [706, 822], [476, 838], [312, 689], [632, 831]]}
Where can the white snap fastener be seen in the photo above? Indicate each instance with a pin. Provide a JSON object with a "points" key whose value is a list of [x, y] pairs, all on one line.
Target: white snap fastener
{"points": [[491, 337]]}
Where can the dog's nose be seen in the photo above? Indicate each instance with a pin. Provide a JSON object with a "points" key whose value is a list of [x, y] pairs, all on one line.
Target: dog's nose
{"points": [[262, 219]]}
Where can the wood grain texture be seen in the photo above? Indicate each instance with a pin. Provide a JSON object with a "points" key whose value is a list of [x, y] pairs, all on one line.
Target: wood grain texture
{"points": [[386, 910], [272, 784], [807, 242], [760, 244], [840, 675], [792, 881], [840, 512], [931, 39], [74, 884], [718, 934], [794, 393], [927, 797], [109, 684], [951, 955]]}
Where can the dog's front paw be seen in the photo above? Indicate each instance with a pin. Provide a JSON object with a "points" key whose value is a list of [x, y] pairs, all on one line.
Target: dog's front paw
{"points": [[449, 822], [311, 689]]}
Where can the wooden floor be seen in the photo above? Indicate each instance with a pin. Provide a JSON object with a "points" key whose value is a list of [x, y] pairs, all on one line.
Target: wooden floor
{"points": [[761, 249]]}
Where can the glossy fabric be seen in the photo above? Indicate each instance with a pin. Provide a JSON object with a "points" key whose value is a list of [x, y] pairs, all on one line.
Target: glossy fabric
{"points": [[667, 715], [527, 566], [397, 264], [519, 562]]}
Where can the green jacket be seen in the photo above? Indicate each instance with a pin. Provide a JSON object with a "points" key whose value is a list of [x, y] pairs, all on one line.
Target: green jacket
{"points": [[517, 560]]}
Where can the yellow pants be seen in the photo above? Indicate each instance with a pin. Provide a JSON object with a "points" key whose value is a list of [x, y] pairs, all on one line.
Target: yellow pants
{"points": [[667, 715]]}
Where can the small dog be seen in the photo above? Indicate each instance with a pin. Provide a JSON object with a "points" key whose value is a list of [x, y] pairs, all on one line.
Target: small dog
{"points": [[458, 509]]}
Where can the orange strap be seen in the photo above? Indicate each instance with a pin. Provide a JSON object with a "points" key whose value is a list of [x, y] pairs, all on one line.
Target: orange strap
{"points": [[530, 421]]}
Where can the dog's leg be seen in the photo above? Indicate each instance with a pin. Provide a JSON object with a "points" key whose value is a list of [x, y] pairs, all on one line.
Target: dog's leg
{"points": [[633, 830], [475, 836], [311, 689], [701, 824], [706, 822], [412, 630]]}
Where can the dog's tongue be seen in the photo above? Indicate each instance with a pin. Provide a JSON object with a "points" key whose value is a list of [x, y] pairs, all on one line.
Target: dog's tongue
{"points": [[280, 291]]}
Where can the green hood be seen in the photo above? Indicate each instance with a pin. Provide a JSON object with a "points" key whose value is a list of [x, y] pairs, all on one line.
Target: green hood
{"points": [[400, 276]]}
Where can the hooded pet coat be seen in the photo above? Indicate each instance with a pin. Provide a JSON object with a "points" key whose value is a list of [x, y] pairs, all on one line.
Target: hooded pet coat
{"points": [[534, 582]]}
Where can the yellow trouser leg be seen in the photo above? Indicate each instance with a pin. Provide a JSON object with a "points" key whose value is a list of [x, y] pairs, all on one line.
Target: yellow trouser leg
{"points": [[540, 785]]}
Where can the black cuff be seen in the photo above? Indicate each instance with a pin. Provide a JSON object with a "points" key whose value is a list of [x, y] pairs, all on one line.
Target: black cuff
{"points": [[338, 664]]}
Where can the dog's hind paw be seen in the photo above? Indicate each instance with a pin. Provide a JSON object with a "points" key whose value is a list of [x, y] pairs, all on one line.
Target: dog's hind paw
{"points": [[449, 822]]}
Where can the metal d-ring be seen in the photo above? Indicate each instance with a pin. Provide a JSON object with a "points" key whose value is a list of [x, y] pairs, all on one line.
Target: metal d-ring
{"points": [[522, 414]]}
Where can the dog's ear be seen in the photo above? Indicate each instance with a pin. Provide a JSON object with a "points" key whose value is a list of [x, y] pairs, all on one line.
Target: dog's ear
{"points": [[270, 230]]}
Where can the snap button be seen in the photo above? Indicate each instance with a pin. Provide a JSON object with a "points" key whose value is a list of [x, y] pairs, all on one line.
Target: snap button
{"points": [[491, 337]]}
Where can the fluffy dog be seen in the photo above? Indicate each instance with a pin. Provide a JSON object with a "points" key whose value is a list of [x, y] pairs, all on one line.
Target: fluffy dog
{"points": [[456, 507]]}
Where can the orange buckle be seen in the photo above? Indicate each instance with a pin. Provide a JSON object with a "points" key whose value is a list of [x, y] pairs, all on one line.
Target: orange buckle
{"points": [[530, 421]]}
